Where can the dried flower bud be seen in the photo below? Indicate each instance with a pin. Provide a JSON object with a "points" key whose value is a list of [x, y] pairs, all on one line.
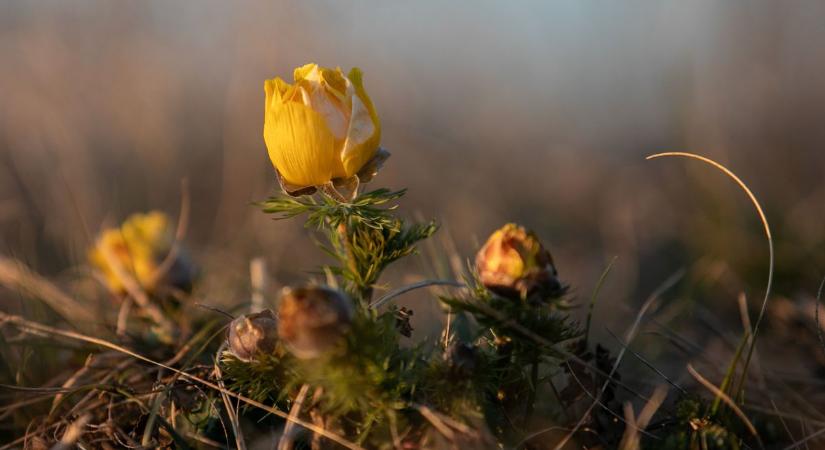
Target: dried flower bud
{"points": [[253, 334], [402, 321], [514, 263], [461, 358], [313, 320]]}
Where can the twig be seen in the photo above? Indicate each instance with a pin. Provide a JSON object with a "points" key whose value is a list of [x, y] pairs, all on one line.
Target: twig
{"points": [[29, 326], [403, 290], [69, 383], [647, 363], [72, 433], [807, 438], [240, 444], [631, 439], [287, 442], [436, 421]]}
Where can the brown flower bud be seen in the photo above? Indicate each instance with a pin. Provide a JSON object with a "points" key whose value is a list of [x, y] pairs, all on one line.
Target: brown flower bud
{"points": [[313, 320], [514, 263], [253, 334]]}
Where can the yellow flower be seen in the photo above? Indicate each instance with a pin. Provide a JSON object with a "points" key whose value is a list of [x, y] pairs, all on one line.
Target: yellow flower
{"points": [[513, 261], [322, 129], [137, 247]]}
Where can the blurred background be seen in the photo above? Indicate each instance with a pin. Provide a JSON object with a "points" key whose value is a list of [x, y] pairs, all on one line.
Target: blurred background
{"points": [[536, 112]]}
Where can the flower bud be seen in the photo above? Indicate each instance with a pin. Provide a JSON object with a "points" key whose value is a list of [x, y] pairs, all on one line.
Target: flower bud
{"points": [[313, 320], [322, 129], [514, 263], [138, 249], [253, 334]]}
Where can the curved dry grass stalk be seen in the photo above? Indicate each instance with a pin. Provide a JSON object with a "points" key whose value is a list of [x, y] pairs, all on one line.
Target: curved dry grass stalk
{"points": [[728, 401], [768, 235], [34, 327]]}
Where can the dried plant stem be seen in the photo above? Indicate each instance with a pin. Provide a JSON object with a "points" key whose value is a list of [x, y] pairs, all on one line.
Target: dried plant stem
{"points": [[631, 333], [317, 418], [631, 439], [231, 411], [180, 233], [258, 283], [34, 327], [73, 433], [16, 276], [767, 228], [136, 292], [421, 284], [287, 441], [729, 401]]}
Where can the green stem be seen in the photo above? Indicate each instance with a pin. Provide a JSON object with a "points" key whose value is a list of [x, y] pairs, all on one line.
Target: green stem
{"points": [[534, 381], [364, 291], [727, 382]]}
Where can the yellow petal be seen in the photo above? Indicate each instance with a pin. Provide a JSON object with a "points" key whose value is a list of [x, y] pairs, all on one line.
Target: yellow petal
{"points": [[364, 133], [307, 71], [335, 82], [301, 145]]}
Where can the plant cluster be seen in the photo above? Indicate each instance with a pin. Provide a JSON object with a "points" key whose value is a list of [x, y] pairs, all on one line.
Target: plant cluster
{"points": [[330, 365]]}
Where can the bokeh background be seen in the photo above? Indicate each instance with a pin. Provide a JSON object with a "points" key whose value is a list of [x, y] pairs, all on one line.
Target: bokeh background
{"points": [[537, 112]]}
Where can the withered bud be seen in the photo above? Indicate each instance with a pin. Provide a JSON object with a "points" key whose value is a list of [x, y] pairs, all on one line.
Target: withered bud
{"points": [[461, 358], [402, 321], [313, 320], [513, 263], [253, 334]]}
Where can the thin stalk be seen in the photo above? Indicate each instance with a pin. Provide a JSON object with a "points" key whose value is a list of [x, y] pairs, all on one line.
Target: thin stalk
{"points": [[730, 373], [534, 384]]}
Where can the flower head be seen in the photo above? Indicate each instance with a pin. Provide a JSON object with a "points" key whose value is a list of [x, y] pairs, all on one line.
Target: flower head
{"points": [[253, 334], [137, 249], [321, 130], [513, 261], [313, 320]]}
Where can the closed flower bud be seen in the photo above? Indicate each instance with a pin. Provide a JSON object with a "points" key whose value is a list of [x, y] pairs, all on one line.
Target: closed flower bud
{"points": [[253, 334], [322, 129], [138, 249], [313, 320], [514, 263]]}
